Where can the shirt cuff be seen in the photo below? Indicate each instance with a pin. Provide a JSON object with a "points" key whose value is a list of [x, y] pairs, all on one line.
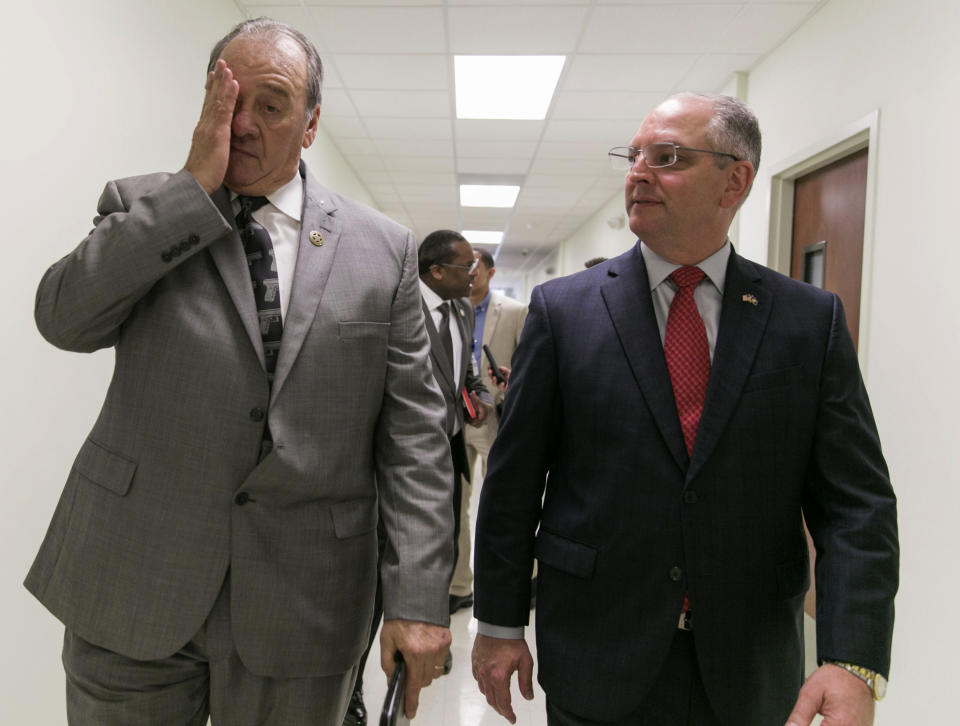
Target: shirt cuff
{"points": [[500, 631]]}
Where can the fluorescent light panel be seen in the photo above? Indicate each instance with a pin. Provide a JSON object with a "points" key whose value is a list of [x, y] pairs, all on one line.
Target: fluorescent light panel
{"points": [[482, 237], [488, 195], [505, 86]]}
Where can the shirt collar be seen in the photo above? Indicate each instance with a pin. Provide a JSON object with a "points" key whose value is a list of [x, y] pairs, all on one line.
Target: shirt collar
{"points": [[288, 198], [431, 298], [483, 304], [714, 267]]}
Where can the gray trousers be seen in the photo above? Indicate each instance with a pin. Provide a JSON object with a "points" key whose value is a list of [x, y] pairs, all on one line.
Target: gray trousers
{"points": [[204, 679]]}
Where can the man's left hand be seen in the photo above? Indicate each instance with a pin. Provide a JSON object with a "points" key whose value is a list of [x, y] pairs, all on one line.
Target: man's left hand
{"points": [[482, 409], [424, 647], [840, 697]]}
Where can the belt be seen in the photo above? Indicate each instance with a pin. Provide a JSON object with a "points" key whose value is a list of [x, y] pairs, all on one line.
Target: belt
{"points": [[686, 621]]}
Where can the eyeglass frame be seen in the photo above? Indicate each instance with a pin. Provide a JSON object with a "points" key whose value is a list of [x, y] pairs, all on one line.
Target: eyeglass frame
{"points": [[676, 147], [471, 268]]}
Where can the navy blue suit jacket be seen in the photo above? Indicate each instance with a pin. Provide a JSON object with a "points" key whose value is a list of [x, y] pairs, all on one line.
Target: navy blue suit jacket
{"points": [[590, 475]]}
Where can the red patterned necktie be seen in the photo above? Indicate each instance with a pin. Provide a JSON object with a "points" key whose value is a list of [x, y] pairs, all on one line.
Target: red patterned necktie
{"points": [[688, 355]]}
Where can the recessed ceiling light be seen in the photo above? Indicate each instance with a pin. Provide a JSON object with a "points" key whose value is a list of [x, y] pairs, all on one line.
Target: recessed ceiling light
{"points": [[505, 86], [487, 195], [482, 237]]}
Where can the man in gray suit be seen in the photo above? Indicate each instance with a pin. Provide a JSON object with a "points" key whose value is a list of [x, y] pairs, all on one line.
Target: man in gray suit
{"points": [[214, 550]]}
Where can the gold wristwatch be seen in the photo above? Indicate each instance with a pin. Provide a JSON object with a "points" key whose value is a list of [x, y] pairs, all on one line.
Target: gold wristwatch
{"points": [[875, 681]]}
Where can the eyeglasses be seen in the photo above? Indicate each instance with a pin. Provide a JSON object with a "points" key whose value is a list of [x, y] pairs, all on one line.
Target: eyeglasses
{"points": [[468, 268], [656, 155]]}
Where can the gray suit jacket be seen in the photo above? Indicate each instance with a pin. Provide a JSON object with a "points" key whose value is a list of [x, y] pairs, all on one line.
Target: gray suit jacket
{"points": [[166, 495]]}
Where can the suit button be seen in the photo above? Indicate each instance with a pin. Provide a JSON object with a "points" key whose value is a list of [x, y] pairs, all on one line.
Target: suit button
{"points": [[193, 239], [242, 498], [690, 497], [166, 256], [256, 414], [185, 245], [676, 574]]}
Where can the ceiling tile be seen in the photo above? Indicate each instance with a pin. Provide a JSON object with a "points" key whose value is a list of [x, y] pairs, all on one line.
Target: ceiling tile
{"points": [[423, 177], [514, 29], [627, 72], [710, 72], [499, 149], [482, 130], [415, 147], [604, 105], [617, 28], [410, 128], [380, 29], [417, 163], [409, 72], [573, 150], [342, 127], [402, 104], [474, 165], [609, 132], [336, 102], [757, 28]]}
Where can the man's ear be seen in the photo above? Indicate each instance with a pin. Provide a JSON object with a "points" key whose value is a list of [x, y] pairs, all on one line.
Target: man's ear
{"points": [[493, 271], [436, 272], [312, 125], [740, 176]]}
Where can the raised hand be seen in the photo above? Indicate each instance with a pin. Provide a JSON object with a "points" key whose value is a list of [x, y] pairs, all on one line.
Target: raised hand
{"points": [[210, 150]]}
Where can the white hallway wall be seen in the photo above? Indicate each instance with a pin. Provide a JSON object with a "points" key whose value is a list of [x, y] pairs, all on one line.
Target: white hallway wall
{"points": [[100, 90]]}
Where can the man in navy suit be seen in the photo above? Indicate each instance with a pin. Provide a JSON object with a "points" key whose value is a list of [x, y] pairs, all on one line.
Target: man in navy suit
{"points": [[672, 555]]}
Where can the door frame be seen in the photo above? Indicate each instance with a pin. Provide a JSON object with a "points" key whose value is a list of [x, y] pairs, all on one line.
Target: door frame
{"points": [[852, 137]]}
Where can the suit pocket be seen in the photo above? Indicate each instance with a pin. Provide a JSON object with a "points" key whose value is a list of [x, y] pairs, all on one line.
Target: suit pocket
{"points": [[772, 379], [360, 329], [104, 467], [354, 517], [565, 555]]}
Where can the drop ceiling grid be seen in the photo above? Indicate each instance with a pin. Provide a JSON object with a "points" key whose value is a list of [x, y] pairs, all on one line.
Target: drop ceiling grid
{"points": [[389, 105]]}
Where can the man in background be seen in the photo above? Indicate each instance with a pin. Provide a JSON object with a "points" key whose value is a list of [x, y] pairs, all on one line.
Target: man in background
{"points": [[214, 550], [674, 415], [499, 320]]}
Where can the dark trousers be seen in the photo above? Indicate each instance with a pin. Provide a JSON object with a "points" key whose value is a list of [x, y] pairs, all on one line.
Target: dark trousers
{"points": [[677, 698]]}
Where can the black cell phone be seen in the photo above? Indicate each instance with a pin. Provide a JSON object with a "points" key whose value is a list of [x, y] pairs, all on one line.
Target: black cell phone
{"points": [[392, 714], [493, 364]]}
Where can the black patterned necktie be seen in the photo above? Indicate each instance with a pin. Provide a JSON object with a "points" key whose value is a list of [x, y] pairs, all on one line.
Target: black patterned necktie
{"points": [[263, 275], [444, 332]]}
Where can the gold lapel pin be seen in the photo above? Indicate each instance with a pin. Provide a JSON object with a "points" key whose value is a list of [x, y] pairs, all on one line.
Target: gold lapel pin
{"points": [[316, 238], [749, 298]]}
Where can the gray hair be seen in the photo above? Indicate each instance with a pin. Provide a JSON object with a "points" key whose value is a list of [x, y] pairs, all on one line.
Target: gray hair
{"points": [[734, 128], [268, 27]]}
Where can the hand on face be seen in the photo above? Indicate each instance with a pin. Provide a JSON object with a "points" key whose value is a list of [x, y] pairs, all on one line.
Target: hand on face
{"points": [[210, 150]]}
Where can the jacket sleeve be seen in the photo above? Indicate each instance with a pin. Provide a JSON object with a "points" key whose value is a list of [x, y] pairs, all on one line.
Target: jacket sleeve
{"points": [[144, 228], [851, 511], [414, 468]]}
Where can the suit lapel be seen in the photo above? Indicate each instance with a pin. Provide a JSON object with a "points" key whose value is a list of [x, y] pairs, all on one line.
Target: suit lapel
{"points": [[231, 263], [629, 303], [494, 308], [440, 364], [743, 318], [310, 274]]}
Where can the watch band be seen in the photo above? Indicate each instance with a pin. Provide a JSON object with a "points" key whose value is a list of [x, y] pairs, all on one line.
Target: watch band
{"points": [[875, 681]]}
